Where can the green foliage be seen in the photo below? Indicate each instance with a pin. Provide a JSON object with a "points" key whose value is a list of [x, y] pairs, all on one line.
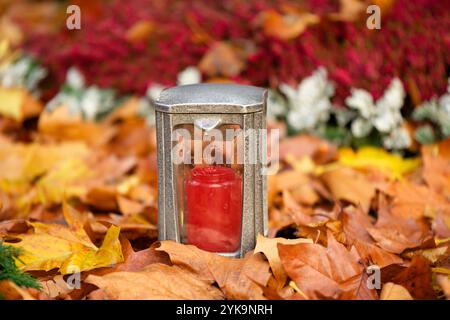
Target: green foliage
{"points": [[9, 270], [437, 114], [425, 135]]}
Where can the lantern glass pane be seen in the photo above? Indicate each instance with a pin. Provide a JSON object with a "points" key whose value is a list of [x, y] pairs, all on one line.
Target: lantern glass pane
{"points": [[209, 171]]}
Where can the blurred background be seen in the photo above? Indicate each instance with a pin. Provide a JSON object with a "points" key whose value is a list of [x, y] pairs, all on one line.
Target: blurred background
{"points": [[336, 68]]}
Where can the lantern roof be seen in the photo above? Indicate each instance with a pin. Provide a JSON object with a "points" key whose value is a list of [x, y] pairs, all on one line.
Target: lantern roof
{"points": [[212, 98]]}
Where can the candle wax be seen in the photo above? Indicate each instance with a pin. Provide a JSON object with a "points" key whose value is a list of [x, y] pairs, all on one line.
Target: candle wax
{"points": [[214, 209]]}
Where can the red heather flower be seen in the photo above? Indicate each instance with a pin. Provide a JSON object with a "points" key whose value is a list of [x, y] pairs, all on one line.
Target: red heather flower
{"points": [[413, 44]]}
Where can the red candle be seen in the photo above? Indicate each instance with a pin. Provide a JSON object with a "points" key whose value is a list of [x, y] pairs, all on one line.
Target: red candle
{"points": [[214, 209]]}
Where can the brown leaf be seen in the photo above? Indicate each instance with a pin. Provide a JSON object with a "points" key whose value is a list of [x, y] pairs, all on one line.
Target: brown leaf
{"points": [[223, 59], [268, 246], [10, 291], [301, 146], [436, 170], [350, 185], [237, 278], [396, 234], [140, 31], [415, 201], [298, 183], [129, 207], [356, 288], [355, 224], [317, 270], [417, 279], [300, 214], [350, 10], [155, 282], [375, 255], [60, 124], [392, 291], [288, 25]]}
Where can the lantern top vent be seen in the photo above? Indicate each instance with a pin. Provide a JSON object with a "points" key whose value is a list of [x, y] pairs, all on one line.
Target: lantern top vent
{"points": [[212, 98]]}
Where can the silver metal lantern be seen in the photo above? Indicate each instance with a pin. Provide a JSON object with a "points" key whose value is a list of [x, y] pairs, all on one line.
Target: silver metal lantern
{"points": [[213, 197]]}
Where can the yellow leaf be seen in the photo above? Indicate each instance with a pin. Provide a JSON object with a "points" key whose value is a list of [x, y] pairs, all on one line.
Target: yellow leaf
{"points": [[67, 248], [441, 270], [27, 161], [376, 158], [62, 181], [18, 104], [12, 102], [297, 289], [393, 291]]}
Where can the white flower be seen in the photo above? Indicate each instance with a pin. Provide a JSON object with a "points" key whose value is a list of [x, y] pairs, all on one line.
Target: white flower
{"points": [[397, 139], [154, 91], [23, 73], [309, 103], [384, 114], [444, 101], [436, 110], [91, 102], [190, 75], [75, 78]]}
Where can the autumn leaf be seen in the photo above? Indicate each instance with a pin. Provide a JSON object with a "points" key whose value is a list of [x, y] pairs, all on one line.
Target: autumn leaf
{"points": [[10, 291], [223, 59], [69, 248], [444, 283], [436, 170], [355, 223], [287, 25], [268, 246], [20, 164], [140, 31], [394, 233], [373, 254], [416, 279], [392, 291], [301, 146], [317, 270], [18, 104], [350, 185], [237, 278], [350, 10], [392, 165], [60, 124], [155, 282], [299, 184], [415, 201]]}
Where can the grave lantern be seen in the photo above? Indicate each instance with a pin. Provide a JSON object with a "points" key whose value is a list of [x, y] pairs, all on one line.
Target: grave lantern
{"points": [[211, 159]]}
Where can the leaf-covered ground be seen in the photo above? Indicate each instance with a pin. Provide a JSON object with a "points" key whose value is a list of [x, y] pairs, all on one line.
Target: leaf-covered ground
{"points": [[79, 200]]}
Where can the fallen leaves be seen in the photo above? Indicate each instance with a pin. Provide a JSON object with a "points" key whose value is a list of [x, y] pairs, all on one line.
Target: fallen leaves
{"points": [[333, 213], [237, 278], [287, 25], [392, 291], [350, 185], [368, 158], [268, 246], [68, 249], [223, 60], [18, 104], [317, 270], [156, 282], [417, 279]]}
